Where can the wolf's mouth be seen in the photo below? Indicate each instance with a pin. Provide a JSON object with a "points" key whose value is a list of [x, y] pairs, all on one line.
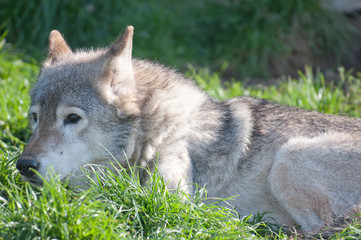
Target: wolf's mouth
{"points": [[34, 182], [39, 182], [64, 178]]}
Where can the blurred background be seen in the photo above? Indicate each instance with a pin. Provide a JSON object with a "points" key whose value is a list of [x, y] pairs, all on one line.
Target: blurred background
{"points": [[261, 39]]}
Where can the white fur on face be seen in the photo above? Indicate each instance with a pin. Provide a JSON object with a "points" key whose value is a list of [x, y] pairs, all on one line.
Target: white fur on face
{"points": [[64, 159], [74, 145], [65, 152]]}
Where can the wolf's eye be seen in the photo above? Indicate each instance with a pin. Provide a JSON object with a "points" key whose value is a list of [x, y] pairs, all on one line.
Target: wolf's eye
{"points": [[34, 116], [72, 119]]}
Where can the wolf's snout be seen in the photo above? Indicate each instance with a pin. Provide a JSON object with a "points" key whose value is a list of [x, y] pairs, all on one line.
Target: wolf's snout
{"points": [[26, 166]]}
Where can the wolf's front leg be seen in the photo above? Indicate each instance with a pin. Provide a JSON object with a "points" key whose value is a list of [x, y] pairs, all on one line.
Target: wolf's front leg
{"points": [[177, 172]]}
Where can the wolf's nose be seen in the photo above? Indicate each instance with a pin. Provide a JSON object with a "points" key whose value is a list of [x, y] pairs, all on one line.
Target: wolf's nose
{"points": [[26, 165]]}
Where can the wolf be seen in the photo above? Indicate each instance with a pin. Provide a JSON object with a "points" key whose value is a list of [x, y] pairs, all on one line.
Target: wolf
{"points": [[103, 106]]}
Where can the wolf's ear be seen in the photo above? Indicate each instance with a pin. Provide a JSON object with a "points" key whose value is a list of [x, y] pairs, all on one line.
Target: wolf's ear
{"points": [[117, 80], [57, 46], [123, 46], [119, 57]]}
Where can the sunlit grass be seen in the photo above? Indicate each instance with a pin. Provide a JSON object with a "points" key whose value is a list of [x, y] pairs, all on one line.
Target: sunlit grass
{"points": [[16, 76], [309, 91]]}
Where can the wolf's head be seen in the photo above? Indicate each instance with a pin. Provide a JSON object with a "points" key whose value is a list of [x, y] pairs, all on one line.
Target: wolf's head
{"points": [[84, 107]]}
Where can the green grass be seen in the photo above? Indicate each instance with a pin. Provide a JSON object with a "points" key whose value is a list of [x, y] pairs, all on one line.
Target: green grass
{"points": [[15, 78], [116, 206], [254, 37], [309, 91]]}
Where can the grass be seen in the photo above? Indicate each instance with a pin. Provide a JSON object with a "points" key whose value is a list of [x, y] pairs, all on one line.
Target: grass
{"points": [[309, 91], [254, 37], [116, 206], [15, 78]]}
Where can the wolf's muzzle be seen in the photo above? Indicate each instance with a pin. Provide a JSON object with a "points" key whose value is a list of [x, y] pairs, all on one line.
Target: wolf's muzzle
{"points": [[26, 166]]}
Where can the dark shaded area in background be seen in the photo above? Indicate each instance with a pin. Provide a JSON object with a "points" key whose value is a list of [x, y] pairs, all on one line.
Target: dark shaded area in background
{"points": [[258, 39]]}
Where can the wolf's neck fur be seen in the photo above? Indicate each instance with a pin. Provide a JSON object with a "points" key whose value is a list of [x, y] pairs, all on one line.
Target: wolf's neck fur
{"points": [[177, 115], [168, 102]]}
